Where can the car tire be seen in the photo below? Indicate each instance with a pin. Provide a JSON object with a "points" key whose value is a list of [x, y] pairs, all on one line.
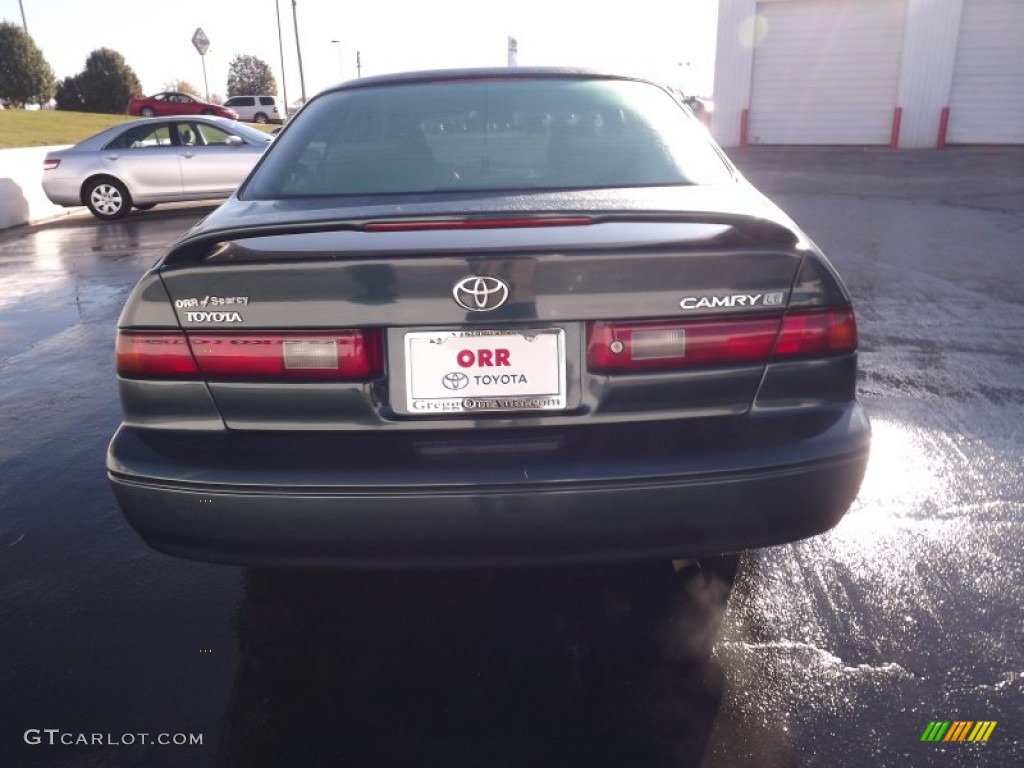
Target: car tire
{"points": [[144, 206], [107, 199], [147, 112], [261, 118]]}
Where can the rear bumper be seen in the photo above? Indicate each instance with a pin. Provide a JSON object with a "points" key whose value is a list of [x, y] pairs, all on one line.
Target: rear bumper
{"points": [[62, 191], [334, 501]]}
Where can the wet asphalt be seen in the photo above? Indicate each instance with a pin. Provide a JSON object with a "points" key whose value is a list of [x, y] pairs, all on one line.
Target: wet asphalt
{"points": [[837, 651]]}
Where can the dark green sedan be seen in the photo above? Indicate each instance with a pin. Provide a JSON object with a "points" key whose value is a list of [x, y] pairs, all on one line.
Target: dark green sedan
{"points": [[475, 317]]}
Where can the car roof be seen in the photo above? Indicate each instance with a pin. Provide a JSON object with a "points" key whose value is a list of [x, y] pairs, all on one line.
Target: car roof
{"points": [[103, 136], [177, 119], [483, 73]]}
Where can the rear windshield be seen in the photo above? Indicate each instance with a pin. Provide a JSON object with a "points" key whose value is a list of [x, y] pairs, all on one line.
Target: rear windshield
{"points": [[488, 135]]}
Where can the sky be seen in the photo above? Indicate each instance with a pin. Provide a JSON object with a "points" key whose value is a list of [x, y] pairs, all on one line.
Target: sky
{"points": [[670, 41]]}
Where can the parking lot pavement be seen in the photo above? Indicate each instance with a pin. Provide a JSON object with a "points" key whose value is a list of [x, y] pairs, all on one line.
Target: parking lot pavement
{"points": [[986, 178], [836, 651], [910, 609]]}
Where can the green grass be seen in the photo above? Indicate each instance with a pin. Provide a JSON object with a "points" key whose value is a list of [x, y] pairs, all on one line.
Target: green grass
{"points": [[47, 127], [19, 128]]}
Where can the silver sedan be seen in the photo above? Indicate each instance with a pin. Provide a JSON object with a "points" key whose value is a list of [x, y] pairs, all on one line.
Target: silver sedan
{"points": [[145, 162]]}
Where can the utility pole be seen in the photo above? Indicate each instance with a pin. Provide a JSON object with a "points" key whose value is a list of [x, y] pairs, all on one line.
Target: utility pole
{"points": [[298, 49], [280, 45], [359, 66], [23, 24]]}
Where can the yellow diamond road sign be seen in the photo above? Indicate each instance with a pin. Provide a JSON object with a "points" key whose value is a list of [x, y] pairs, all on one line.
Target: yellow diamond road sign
{"points": [[201, 41]]}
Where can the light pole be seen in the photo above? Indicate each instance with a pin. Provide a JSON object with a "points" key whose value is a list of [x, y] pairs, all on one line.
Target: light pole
{"points": [[341, 60], [23, 24], [280, 45], [298, 49], [359, 65]]}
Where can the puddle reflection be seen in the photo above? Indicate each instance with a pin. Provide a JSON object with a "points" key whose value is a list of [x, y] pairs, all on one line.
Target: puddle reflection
{"points": [[904, 473]]}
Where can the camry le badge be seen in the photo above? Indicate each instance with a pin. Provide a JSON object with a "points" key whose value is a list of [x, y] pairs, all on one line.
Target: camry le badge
{"points": [[774, 299], [480, 294]]}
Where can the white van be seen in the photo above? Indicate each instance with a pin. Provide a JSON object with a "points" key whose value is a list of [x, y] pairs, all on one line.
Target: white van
{"points": [[256, 109]]}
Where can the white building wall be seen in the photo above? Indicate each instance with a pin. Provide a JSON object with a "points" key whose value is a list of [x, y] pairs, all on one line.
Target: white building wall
{"points": [[734, 61], [926, 71], [826, 72], [986, 102], [22, 199]]}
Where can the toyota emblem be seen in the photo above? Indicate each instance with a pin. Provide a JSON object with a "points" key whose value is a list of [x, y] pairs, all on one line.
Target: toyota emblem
{"points": [[455, 381], [480, 294]]}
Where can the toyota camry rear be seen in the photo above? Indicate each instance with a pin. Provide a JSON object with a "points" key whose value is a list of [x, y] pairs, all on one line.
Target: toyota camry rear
{"points": [[488, 317]]}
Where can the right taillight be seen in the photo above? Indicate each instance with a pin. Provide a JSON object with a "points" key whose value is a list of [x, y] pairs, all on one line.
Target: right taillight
{"points": [[633, 347], [349, 355], [665, 345], [816, 333]]}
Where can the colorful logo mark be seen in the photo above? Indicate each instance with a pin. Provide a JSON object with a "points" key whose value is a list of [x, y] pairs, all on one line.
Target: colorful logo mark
{"points": [[958, 730]]}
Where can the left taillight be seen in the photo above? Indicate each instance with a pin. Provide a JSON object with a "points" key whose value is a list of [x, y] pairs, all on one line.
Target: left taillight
{"points": [[50, 163], [348, 355], [154, 355]]}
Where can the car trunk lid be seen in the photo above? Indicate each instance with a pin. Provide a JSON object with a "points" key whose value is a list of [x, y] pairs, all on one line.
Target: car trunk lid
{"points": [[566, 280]]}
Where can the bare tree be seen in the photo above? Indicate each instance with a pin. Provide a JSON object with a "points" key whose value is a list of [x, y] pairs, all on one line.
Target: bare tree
{"points": [[182, 86]]}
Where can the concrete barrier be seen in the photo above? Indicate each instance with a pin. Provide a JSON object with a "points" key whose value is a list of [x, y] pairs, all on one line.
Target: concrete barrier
{"points": [[21, 187]]}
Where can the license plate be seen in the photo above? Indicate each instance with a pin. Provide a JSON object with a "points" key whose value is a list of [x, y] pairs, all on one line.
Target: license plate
{"points": [[485, 370]]}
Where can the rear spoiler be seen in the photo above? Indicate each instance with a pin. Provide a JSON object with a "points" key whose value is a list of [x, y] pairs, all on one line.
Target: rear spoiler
{"points": [[742, 231]]}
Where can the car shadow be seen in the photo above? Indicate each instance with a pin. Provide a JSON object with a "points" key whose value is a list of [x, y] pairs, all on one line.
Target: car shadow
{"points": [[200, 208], [587, 666]]}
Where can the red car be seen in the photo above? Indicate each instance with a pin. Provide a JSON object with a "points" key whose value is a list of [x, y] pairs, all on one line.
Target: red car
{"points": [[173, 103]]}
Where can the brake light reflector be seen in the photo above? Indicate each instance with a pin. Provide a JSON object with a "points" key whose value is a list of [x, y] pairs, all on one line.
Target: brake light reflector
{"points": [[351, 355], [154, 355], [310, 355], [820, 332], [49, 164], [646, 346], [659, 344]]}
